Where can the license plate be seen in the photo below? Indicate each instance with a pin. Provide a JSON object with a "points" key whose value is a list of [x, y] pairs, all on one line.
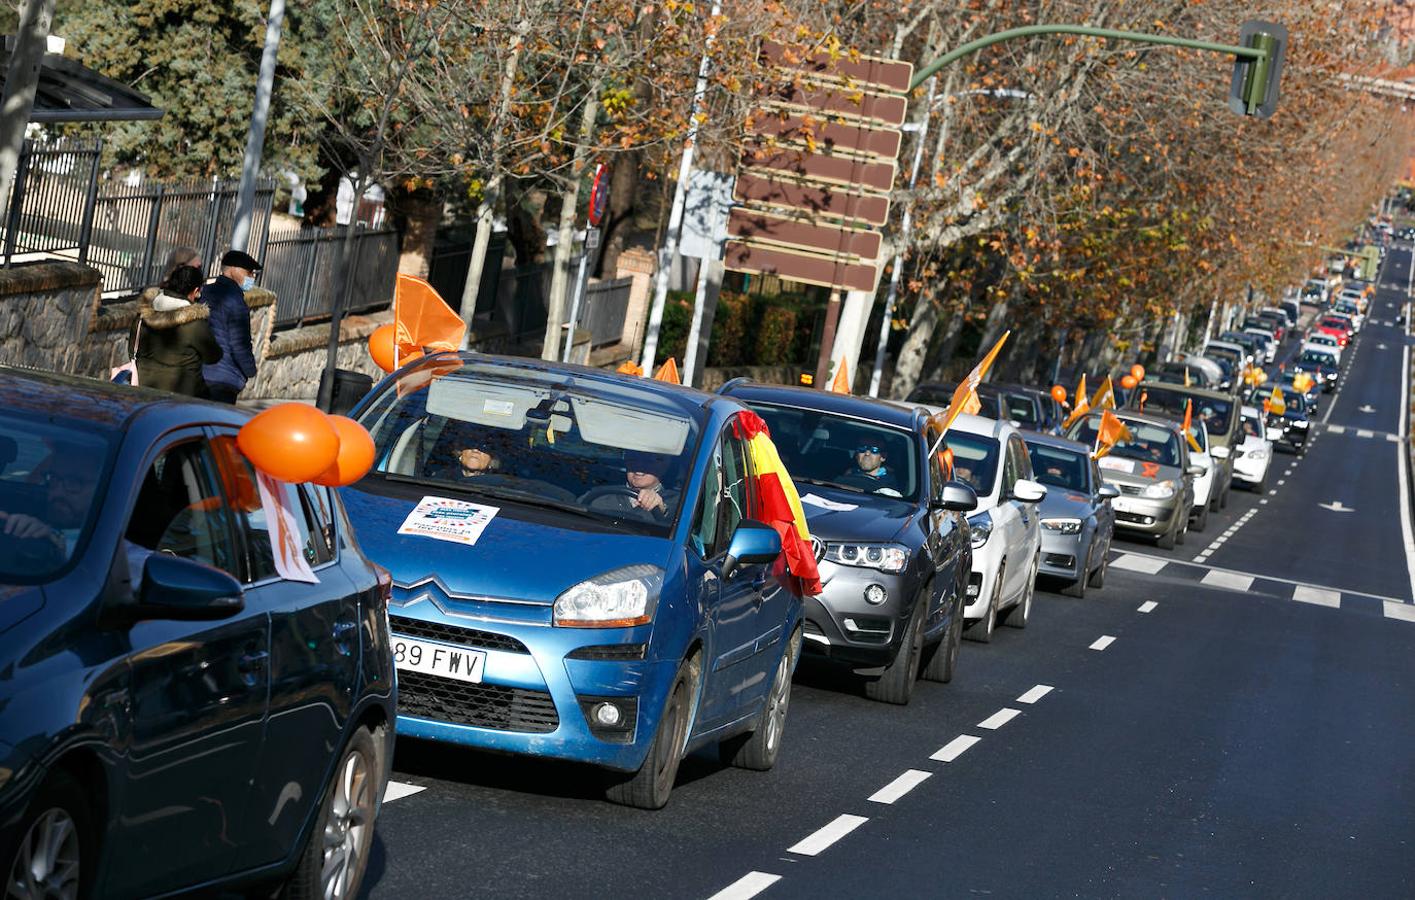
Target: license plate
{"points": [[432, 658]]}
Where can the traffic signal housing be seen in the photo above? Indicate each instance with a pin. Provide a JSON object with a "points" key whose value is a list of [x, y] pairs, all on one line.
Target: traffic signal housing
{"points": [[1254, 88]]}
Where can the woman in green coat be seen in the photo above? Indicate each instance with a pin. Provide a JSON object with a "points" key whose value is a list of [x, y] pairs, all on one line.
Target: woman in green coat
{"points": [[174, 337]]}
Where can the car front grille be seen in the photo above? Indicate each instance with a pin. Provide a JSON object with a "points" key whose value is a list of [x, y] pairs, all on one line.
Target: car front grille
{"points": [[482, 705], [455, 634], [1131, 489], [818, 548]]}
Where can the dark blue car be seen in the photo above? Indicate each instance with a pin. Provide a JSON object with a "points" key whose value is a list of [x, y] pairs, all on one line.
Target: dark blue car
{"points": [[175, 715], [579, 572]]}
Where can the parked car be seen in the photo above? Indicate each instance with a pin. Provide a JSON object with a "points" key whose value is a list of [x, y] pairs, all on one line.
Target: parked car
{"points": [[1218, 411], [1266, 342], [586, 549], [176, 714], [894, 548], [1077, 520], [1152, 471], [1276, 319], [991, 458], [1253, 457], [1292, 310]]}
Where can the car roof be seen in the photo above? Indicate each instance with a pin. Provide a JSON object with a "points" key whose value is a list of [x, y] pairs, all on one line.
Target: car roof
{"points": [[97, 404], [1051, 440], [1204, 393], [992, 428], [1130, 415], [1250, 411], [897, 414]]}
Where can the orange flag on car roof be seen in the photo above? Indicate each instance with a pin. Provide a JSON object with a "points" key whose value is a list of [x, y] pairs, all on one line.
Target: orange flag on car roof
{"points": [[668, 372], [965, 398], [1083, 403], [841, 384], [422, 320], [1105, 396], [1112, 432], [1189, 425], [630, 368]]}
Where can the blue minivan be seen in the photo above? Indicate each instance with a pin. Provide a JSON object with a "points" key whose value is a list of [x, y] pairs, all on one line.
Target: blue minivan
{"points": [[578, 568]]}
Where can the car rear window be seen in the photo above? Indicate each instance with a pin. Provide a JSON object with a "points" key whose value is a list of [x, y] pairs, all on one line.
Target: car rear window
{"points": [[1217, 414], [1148, 443], [975, 459], [1059, 467]]}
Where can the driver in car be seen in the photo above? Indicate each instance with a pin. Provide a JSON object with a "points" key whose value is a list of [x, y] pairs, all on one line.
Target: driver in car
{"points": [[869, 470], [69, 485], [645, 495]]}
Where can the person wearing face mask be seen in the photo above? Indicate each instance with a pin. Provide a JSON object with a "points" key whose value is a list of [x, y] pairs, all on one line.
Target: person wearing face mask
{"points": [[225, 295]]}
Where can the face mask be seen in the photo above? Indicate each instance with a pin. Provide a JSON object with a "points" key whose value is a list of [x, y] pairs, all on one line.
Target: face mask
{"points": [[248, 283]]}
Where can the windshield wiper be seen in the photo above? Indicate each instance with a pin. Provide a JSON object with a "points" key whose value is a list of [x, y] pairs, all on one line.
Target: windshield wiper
{"points": [[829, 484], [531, 499]]}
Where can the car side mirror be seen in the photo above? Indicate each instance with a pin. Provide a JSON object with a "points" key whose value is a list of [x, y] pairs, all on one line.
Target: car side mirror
{"points": [[1108, 492], [957, 497], [1196, 470], [752, 544], [181, 590], [1219, 452], [1028, 491]]}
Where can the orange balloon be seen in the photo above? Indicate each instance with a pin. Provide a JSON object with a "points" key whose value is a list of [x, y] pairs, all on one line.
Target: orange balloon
{"points": [[380, 347], [1058, 393], [355, 454], [292, 442], [1128, 382], [1138, 371]]}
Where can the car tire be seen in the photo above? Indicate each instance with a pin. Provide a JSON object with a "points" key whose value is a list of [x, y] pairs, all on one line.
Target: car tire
{"points": [[1262, 486], [338, 846], [942, 662], [1202, 521], [650, 787], [896, 685], [1223, 498], [1167, 540], [1182, 535], [758, 749], [1019, 613], [56, 832], [981, 630], [1098, 576]]}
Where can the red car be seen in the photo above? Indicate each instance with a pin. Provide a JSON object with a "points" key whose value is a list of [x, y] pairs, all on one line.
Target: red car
{"points": [[1337, 328]]}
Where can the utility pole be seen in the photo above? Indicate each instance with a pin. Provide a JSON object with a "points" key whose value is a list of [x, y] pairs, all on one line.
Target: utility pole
{"points": [[255, 139], [21, 80]]}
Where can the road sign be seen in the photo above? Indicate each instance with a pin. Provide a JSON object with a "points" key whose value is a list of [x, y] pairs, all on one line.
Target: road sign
{"points": [[826, 271], [599, 195]]}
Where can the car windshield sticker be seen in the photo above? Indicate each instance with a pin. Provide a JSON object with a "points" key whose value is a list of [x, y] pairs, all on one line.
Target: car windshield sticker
{"points": [[1116, 465], [498, 407], [1149, 469], [458, 521], [831, 505], [290, 563]]}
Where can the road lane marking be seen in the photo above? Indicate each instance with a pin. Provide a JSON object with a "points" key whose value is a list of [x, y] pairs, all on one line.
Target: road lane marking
{"points": [[899, 786], [954, 748], [1319, 596], [1393, 438], [1396, 610], [1148, 565], [1102, 642], [1035, 694], [1361, 433], [999, 718], [747, 886], [1227, 580], [1147, 606], [1280, 481], [1402, 467], [1336, 429], [1290, 581], [820, 841], [397, 790]]}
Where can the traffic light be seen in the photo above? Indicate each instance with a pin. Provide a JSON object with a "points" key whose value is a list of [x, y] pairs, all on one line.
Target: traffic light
{"points": [[1254, 89], [1370, 262]]}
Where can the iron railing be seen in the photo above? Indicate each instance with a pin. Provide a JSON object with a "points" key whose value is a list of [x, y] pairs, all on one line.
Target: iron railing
{"points": [[302, 268], [606, 309]]}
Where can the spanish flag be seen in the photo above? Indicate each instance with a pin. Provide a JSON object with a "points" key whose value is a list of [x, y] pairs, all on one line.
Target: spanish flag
{"points": [[780, 507], [1105, 396], [1112, 432], [965, 398], [422, 320], [1083, 405], [1189, 426]]}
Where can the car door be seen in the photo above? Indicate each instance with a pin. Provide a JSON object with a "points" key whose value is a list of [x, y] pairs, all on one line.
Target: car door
{"points": [[942, 542], [197, 694], [1028, 516], [314, 645], [1105, 516], [1007, 522]]}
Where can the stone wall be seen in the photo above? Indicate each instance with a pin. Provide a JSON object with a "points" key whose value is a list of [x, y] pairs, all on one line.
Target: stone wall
{"points": [[291, 365], [46, 310]]}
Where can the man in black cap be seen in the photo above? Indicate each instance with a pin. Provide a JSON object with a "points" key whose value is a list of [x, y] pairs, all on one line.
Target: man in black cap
{"points": [[230, 321]]}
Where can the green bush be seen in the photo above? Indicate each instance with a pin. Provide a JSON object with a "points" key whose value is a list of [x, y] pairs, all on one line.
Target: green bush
{"points": [[776, 336]]}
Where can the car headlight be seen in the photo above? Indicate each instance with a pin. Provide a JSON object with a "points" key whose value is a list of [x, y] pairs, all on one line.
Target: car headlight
{"points": [[1062, 526], [1259, 454], [884, 557], [1160, 490], [981, 525], [1301, 423], [616, 599]]}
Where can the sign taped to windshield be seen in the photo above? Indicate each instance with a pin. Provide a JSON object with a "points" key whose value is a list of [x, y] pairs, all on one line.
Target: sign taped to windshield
{"points": [[458, 521]]}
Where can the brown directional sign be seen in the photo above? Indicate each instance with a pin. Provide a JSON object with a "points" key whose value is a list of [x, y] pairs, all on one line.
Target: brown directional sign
{"points": [[836, 136], [887, 73], [818, 199], [868, 173], [801, 232], [840, 100], [828, 271]]}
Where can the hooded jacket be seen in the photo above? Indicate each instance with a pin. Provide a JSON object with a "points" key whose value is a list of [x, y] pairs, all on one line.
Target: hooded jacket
{"points": [[174, 342], [231, 325]]}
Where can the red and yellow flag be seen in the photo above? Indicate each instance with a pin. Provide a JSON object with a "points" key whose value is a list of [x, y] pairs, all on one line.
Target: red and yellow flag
{"points": [[1083, 404], [965, 398], [422, 320], [1111, 432], [668, 372], [780, 507], [1189, 425]]}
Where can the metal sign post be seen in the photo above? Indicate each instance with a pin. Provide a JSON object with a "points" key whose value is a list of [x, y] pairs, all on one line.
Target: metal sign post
{"points": [[591, 242]]}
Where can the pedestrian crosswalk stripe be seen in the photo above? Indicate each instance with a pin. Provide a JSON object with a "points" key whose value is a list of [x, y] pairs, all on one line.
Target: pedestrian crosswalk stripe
{"points": [[1227, 580], [1320, 596], [1402, 611]]}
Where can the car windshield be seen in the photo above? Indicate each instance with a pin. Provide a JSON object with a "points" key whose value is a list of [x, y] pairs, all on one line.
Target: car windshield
{"points": [[1059, 467], [842, 452], [1216, 414], [1332, 322], [1251, 427], [49, 479], [1294, 401], [1324, 339], [606, 451], [1148, 443], [1315, 358], [975, 458], [1023, 409], [942, 395]]}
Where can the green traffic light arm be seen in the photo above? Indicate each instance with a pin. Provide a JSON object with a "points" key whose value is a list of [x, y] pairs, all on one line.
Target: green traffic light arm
{"points": [[1260, 54]]}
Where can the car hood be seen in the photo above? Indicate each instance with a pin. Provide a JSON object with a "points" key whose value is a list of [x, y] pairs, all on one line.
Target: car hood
{"points": [[1139, 474], [525, 553], [835, 515], [17, 603], [1061, 503]]}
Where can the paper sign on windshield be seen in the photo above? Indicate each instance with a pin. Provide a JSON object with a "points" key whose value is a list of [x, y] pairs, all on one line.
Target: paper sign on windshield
{"points": [[458, 521], [1116, 465], [831, 505]]}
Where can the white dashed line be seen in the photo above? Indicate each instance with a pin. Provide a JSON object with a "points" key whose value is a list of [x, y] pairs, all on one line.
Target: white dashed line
{"points": [[397, 790], [1363, 433], [1227, 580], [1392, 438], [954, 748], [1403, 611], [899, 786], [1035, 694], [821, 840], [1147, 565], [1319, 596], [1272, 493], [1280, 481], [1263, 502], [1147, 606], [999, 718], [1103, 642], [747, 886], [1336, 429]]}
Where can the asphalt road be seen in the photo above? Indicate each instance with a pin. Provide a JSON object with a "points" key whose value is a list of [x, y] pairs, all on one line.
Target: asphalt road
{"points": [[1245, 731]]}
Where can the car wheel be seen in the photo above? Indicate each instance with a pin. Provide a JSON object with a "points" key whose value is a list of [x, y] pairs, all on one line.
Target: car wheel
{"points": [[649, 787], [1223, 498], [55, 857], [1018, 615], [1168, 539], [1202, 521], [1098, 577], [1182, 534], [337, 851], [759, 749], [1262, 486], [981, 630], [896, 685], [943, 662]]}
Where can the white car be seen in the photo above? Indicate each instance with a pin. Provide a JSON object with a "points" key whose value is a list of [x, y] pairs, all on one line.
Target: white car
{"points": [[1245, 358], [1322, 341], [1332, 354], [1350, 310], [1268, 345], [1255, 454], [1203, 484], [992, 459]]}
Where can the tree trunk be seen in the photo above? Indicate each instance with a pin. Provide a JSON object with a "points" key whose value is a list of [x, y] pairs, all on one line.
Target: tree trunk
{"points": [[421, 213], [916, 346], [555, 307]]}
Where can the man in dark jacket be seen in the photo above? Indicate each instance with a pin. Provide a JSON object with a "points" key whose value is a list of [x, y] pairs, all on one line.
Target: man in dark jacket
{"points": [[225, 296]]}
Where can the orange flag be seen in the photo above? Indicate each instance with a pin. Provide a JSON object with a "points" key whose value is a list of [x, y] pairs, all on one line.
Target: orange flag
{"points": [[841, 384], [422, 320], [1105, 396], [1083, 403], [965, 398], [668, 372], [1112, 432], [630, 368], [1189, 425]]}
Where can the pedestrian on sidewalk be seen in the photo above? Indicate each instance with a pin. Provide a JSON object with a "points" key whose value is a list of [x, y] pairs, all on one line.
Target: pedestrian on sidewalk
{"points": [[225, 295], [174, 338], [177, 257]]}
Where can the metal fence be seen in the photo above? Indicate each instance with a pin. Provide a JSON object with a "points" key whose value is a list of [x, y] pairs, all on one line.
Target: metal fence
{"points": [[52, 202], [302, 268], [606, 308]]}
